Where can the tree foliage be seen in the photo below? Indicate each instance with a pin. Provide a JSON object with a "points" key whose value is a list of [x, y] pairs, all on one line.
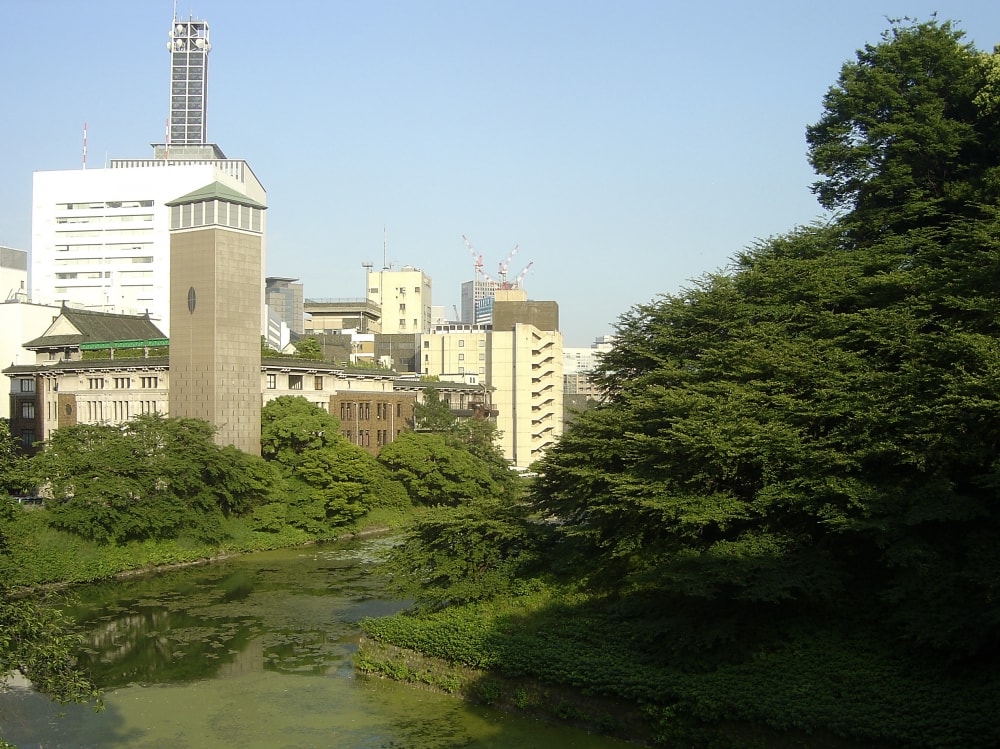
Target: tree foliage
{"points": [[13, 463], [152, 477], [325, 480], [816, 431], [435, 470]]}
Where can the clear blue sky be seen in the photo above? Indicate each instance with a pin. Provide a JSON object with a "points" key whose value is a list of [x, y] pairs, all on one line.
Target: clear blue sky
{"points": [[627, 147]]}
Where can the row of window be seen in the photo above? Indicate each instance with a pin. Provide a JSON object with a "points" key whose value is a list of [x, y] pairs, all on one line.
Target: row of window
{"points": [[363, 438], [295, 382], [106, 204], [363, 411], [123, 383], [461, 344]]}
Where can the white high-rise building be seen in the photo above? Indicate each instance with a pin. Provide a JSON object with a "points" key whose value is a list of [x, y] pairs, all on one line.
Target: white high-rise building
{"points": [[100, 237]]}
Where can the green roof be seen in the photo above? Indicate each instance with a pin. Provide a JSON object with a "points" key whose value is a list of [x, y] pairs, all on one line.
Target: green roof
{"points": [[90, 326], [216, 191]]}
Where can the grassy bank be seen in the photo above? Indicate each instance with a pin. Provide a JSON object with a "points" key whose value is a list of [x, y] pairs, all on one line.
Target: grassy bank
{"points": [[46, 556], [829, 688]]}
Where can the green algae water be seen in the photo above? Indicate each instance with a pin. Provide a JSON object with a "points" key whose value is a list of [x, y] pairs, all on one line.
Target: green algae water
{"points": [[255, 651]]}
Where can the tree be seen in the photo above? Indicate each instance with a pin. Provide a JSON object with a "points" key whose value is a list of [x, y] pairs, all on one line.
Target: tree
{"points": [[903, 141], [35, 640], [13, 463], [308, 348], [326, 481], [152, 477], [815, 432], [477, 436], [435, 471], [291, 425], [432, 414], [498, 547]]}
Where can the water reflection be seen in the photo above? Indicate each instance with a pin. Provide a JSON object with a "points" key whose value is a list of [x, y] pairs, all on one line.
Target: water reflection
{"points": [[254, 651]]}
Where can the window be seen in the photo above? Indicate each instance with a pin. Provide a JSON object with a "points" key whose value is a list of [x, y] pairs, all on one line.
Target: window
{"points": [[399, 409], [95, 383], [149, 382], [427, 344], [318, 383], [294, 382], [402, 308], [27, 410], [123, 382], [27, 437], [461, 344], [482, 356], [461, 357], [27, 386], [272, 382]]}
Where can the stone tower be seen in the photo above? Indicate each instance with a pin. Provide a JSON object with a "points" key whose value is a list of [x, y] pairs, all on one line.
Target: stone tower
{"points": [[216, 259]]}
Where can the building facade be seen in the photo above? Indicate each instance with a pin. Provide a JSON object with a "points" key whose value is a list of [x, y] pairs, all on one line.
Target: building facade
{"points": [[216, 248], [404, 298], [284, 300]]}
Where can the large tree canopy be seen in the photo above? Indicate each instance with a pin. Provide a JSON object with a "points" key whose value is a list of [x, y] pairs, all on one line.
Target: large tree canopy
{"points": [[326, 481], [152, 477], [818, 430], [908, 134]]}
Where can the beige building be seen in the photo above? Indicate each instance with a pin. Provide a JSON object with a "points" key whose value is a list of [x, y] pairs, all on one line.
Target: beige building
{"points": [[404, 298], [519, 359], [216, 258], [95, 368]]}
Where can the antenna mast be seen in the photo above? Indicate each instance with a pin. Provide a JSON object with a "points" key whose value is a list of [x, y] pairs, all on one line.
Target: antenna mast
{"points": [[85, 144]]}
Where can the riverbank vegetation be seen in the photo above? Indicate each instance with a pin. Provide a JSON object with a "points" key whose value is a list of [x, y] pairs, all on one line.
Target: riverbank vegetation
{"points": [[784, 516]]}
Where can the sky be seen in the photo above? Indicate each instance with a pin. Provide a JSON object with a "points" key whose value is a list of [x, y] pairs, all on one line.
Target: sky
{"points": [[625, 147]]}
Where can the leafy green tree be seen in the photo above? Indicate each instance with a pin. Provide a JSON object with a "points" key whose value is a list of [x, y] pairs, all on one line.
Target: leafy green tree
{"points": [[477, 436], [905, 140], [815, 432], [152, 477], [290, 425], [36, 640], [13, 463], [326, 481], [433, 414], [308, 348], [436, 471], [498, 548]]}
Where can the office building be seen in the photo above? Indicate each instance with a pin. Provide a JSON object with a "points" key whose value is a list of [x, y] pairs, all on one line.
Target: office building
{"points": [[283, 297], [404, 297]]}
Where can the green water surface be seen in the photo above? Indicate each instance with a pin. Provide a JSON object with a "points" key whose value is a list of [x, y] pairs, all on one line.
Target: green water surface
{"points": [[254, 651]]}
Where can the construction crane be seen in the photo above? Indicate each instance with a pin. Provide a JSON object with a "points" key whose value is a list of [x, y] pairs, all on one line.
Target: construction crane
{"points": [[502, 267], [521, 275], [477, 260]]}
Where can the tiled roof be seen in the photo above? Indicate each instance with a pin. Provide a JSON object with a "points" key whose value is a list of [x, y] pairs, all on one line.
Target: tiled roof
{"points": [[215, 191], [93, 327]]}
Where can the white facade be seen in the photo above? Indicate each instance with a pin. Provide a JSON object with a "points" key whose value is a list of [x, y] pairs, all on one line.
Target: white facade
{"points": [[404, 297], [100, 236], [21, 322], [455, 352]]}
